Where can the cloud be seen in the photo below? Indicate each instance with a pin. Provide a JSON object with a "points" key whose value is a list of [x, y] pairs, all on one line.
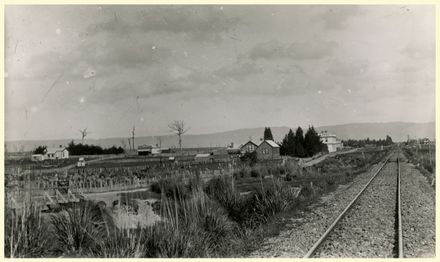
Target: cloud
{"points": [[414, 51], [99, 58], [199, 23], [238, 71], [348, 68], [336, 18], [298, 50]]}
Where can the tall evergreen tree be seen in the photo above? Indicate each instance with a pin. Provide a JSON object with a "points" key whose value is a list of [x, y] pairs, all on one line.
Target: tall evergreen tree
{"points": [[267, 134], [308, 144], [290, 143], [312, 143], [284, 146], [299, 143]]}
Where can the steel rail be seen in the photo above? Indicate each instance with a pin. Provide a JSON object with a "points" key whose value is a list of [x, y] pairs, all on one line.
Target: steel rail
{"points": [[399, 212], [341, 215]]}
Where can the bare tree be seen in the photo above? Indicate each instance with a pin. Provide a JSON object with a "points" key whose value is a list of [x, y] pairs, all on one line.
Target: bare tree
{"points": [[178, 128], [84, 133], [132, 137]]}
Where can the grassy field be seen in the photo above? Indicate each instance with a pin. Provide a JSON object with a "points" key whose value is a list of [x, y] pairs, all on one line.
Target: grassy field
{"points": [[423, 157], [199, 219]]}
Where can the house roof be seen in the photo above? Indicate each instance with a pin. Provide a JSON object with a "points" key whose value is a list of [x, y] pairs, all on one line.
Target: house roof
{"points": [[248, 143], [203, 155], [145, 147], [325, 135], [53, 150], [270, 142]]}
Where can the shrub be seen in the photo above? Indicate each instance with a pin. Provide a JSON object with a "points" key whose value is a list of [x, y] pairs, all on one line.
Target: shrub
{"points": [[26, 233], [249, 158], [170, 187], [122, 243], [78, 229], [193, 227]]}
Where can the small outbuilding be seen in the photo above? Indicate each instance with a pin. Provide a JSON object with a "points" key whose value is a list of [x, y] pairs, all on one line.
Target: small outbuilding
{"points": [[144, 150], [203, 158], [332, 142]]}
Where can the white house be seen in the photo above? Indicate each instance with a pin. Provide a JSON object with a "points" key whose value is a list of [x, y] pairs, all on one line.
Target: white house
{"points": [[332, 142], [56, 153]]}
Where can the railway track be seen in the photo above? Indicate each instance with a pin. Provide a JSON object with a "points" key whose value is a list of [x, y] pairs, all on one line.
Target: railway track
{"points": [[371, 224]]}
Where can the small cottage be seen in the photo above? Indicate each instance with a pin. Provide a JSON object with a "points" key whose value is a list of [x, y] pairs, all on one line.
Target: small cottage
{"points": [[249, 147], [56, 153], [268, 149]]}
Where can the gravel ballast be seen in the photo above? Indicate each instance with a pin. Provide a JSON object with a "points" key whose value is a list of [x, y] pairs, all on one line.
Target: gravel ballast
{"points": [[303, 231], [418, 213], [368, 229]]}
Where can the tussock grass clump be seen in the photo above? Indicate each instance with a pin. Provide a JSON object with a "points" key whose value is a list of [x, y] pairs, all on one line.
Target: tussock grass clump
{"points": [[77, 230], [197, 220], [26, 234], [193, 227], [121, 243], [250, 211], [170, 187]]}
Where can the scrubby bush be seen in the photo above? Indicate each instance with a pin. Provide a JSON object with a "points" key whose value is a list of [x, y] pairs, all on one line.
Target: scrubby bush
{"points": [[77, 229], [250, 158], [26, 234], [122, 243], [170, 187]]}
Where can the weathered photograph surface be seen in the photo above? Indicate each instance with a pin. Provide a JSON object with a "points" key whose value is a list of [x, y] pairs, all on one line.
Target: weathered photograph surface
{"points": [[156, 131]]}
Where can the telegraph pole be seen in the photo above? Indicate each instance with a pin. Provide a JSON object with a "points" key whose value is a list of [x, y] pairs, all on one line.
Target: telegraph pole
{"points": [[132, 133]]}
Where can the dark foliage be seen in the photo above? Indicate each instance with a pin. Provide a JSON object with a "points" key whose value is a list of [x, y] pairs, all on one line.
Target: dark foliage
{"points": [[267, 134], [312, 142], [363, 142], [171, 187], [297, 145], [40, 150], [80, 149], [249, 158]]}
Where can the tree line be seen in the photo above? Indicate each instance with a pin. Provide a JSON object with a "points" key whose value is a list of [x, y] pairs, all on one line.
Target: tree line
{"points": [[363, 142], [80, 149], [297, 144]]}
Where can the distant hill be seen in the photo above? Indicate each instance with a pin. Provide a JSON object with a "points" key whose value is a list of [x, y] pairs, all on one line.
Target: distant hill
{"points": [[397, 130]]}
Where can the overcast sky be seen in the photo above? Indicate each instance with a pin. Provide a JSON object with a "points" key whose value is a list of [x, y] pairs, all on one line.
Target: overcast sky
{"points": [[217, 68]]}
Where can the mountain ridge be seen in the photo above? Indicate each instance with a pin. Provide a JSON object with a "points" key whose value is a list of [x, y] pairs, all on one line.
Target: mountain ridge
{"points": [[399, 131]]}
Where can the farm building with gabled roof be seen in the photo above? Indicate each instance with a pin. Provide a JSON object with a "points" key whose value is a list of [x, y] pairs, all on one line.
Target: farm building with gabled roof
{"points": [[248, 147], [268, 149], [56, 153]]}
